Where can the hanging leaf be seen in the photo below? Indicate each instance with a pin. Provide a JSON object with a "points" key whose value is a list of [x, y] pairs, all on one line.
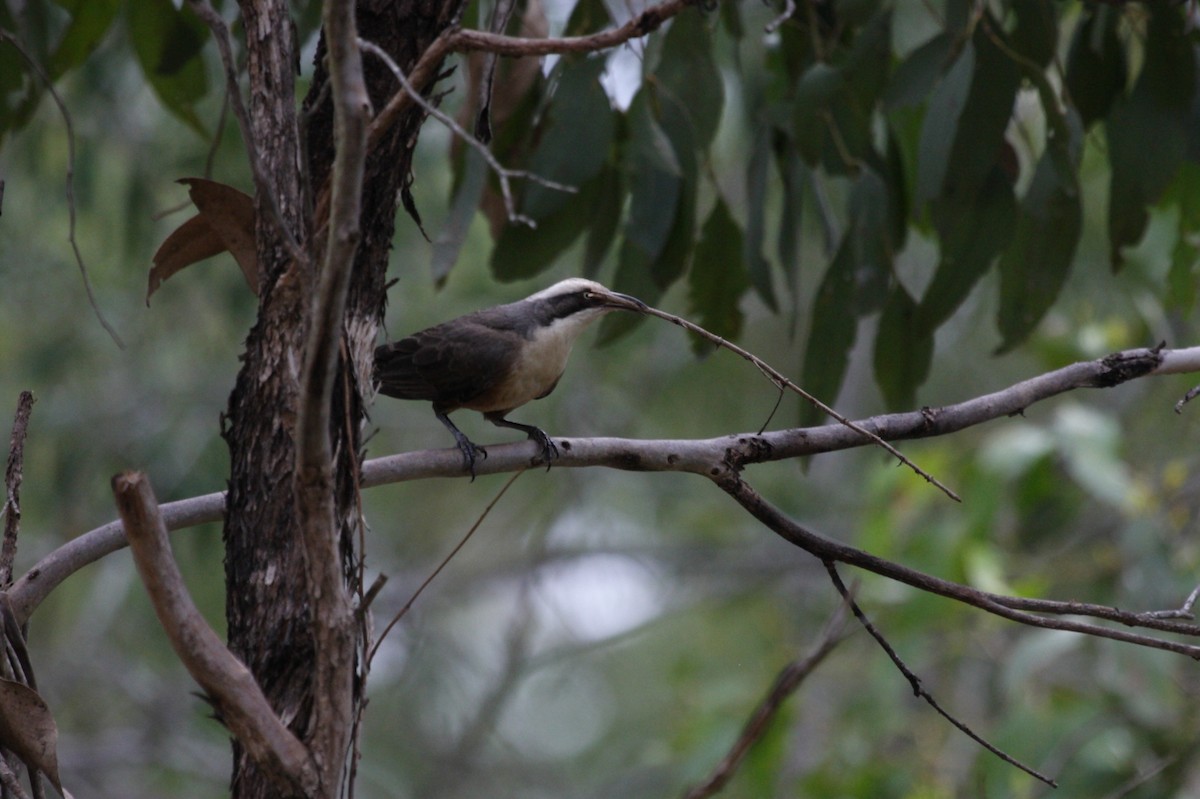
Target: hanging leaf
{"points": [[971, 236], [1096, 65], [688, 71], [903, 350], [946, 104], [831, 335], [454, 231], [576, 138], [90, 22], [225, 222], [606, 216], [656, 179], [916, 76], [167, 41], [676, 254], [27, 728], [1148, 129], [756, 200], [523, 252], [718, 278], [1034, 268]]}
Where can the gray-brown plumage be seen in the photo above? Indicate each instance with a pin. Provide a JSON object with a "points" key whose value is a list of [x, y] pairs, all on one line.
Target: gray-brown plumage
{"points": [[496, 359]]}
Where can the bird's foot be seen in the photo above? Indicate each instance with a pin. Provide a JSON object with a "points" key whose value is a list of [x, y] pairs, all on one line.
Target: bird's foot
{"points": [[470, 452], [549, 450]]}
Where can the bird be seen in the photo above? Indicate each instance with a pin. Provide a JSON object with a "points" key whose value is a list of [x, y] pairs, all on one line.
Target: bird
{"points": [[496, 359]]}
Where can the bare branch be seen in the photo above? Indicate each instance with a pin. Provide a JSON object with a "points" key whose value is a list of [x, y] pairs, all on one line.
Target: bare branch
{"points": [[643, 24], [826, 549], [786, 683], [225, 679], [13, 471], [314, 478], [505, 175], [715, 458], [66, 115], [777, 377], [915, 682], [457, 547]]}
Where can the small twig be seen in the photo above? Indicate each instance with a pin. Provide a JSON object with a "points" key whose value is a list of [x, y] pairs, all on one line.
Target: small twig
{"points": [[10, 780], [1182, 612], [227, 682], [636, 27], [1188, 397], [504, 174], [13, 473], [220, 32], [786, 683], [425, 584], [66, 115], [776, 377], [915, 681], [789, 8]]}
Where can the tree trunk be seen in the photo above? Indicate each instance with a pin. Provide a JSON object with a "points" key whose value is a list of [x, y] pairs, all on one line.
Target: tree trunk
{"points": [[268, 617]]}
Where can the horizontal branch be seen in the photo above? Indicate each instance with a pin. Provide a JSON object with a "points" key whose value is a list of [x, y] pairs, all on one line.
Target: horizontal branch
{"points": [[636, 27], [714, 458]]}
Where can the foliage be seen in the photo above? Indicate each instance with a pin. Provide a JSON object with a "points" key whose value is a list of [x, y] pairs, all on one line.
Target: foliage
{"points": [[912, 185]]}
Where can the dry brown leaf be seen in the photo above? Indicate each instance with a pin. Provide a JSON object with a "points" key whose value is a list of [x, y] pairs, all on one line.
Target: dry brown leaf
{"points": [[27, 728], [225, 222]]}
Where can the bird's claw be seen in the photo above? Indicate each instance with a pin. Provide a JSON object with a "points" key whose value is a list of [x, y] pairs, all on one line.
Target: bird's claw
{"points": [[549, 449], [470, 452]]}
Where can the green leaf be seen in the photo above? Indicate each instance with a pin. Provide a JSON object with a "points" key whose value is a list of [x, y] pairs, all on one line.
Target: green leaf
{"points": [[718, 278], [1096, 65], [676, 254], [576, 137], [655, 178], [462, 212], [1035, 266], [971, 235], [90, 21], [167, 42], [588, 16], [688, 71], [523, 252], [606, 216], [1148, 129], [946, 104], [871, 246], [919, 72], [793, 175], [756, 201], [903, 350], [969, 110], [831, 335], [1036, 34]]}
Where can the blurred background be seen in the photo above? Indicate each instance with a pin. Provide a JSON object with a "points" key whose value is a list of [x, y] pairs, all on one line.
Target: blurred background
{"points": [[607, 633]]}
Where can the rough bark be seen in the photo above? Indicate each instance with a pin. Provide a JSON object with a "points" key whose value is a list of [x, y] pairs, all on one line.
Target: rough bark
{"points": [[268, 618]]}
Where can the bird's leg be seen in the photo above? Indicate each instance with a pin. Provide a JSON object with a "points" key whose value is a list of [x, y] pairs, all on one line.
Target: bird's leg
{"points": [[549, 451], [468, 448]]}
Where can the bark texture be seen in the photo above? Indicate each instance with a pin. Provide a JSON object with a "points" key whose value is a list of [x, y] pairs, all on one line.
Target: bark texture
{"points": [[268, 618]]}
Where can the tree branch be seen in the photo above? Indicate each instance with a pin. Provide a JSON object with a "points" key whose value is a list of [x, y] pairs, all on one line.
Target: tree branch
{"points": [[643, 24], [13, 469], [786, 683], [716, 458], [226, 681], [314, 478]]}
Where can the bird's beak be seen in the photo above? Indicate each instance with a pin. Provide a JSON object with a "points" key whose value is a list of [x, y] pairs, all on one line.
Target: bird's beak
{"points": [[613, 299]]}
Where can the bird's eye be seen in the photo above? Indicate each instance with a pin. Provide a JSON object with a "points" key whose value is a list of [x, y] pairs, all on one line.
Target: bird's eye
{"points": [[590, 295]]}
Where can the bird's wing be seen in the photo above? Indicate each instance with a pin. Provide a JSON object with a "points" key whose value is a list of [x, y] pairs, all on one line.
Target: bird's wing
{"points": [[448, 363]]}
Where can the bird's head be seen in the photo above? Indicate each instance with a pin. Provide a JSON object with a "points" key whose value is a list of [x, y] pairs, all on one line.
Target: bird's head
{"points": [[579, 301]]}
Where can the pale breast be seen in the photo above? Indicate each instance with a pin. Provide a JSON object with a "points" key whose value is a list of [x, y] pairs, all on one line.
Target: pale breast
{"points": [[533, 374]]}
